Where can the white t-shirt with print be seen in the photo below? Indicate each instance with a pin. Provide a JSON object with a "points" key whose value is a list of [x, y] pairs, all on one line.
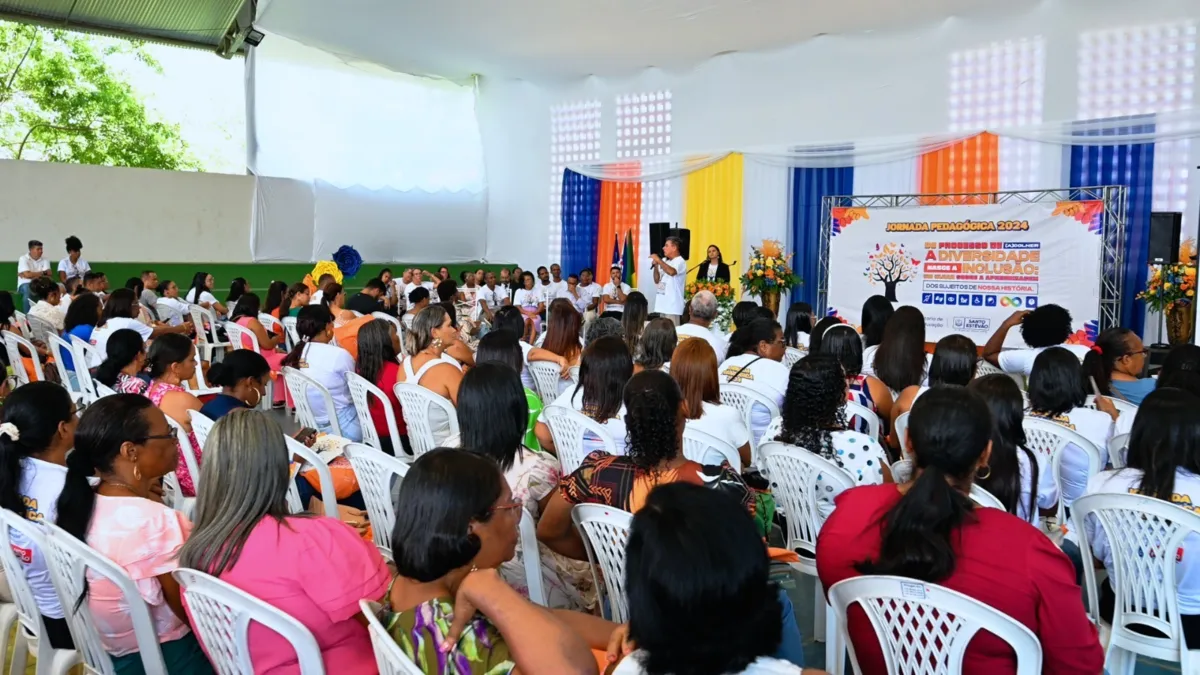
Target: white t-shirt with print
{"points": [[579, 303], [868, 366], [1094, 426], [723, 422], [528, 299], [41, 484], [74, 269], [1047, 489], [492, 297], [610, 290], [669, 296], [205, 296], [766, 377], [27, 264], [714, 339], [550, 291], [592, 291], [100, 335], [327, 364], [573, 398], [1021, 360], [409, 288]]}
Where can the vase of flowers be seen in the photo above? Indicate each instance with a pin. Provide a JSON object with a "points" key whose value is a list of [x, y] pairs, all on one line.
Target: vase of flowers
{"points": [[769, 274], [1171, 290], [724, 293]]}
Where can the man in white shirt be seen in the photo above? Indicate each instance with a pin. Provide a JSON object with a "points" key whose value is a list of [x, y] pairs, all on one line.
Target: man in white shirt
{"points": [[73, 265], [592, 289], [615, 291], [546, 291], [1045, 327], [323, 281], [30, 267], [669, 278], [416, 281], [491, 297], [704, 312], [572, 293]]}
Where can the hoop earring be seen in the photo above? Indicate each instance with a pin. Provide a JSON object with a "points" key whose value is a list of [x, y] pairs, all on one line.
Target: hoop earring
{"points": [[985, 476], [257, 400]]}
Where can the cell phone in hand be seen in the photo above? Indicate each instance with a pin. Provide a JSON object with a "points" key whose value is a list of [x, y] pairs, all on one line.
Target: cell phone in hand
{"points": [[306, 435]]}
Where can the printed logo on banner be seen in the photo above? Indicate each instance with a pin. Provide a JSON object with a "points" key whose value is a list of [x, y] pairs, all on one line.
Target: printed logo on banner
{"points": [[1007, 301], [951, 299], [963, 299], [890, 264], [1031, 302], [939, 298], [927, 298], [989, 301], [972, 325], [977, 300]]}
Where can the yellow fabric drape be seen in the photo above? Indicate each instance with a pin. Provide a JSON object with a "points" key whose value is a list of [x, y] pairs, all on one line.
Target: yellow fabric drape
{"points": [[712, 210]]}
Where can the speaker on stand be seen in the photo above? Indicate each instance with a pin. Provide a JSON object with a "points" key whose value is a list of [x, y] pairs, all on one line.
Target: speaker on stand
{"points": [[1163, 249]]}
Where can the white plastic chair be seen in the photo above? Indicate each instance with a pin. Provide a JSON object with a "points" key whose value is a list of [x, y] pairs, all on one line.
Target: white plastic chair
{"points": [[324, 477], [924, 628], [791, 356], [221, 616], [59, 347], [605, 533], [201, 426], [902, 470], [531, 558], [182, 503], [103, 390], [240, 336], [793, 474], [901, 429], [202, 387], [376, 473], [298, 385], [416, 402], [399, 328], [39, 329], [1145, 537], [744, 398], [569, 427], [706, 449], [388, 656], [270, 323], [82, 352], [12, 345], [69, 561], [874, 426], [203, 320], [546, 376], [361, 392], [574, 374], [1118, 449], [32, 630], [1051, 439], [1123, 407], [21, 322], [289, 327], [984, 498], [168, 314]]}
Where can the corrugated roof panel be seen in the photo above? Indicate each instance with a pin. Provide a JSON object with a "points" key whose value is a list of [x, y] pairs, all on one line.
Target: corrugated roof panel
{"points": [[195, 21]]}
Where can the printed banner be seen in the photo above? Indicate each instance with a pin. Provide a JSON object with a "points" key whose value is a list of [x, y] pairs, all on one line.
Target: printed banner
{"points": [[968, 267]]}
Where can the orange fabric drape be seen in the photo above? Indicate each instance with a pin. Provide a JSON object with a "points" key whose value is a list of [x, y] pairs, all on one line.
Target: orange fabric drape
{"points": [[620, 215], [972, 165]]}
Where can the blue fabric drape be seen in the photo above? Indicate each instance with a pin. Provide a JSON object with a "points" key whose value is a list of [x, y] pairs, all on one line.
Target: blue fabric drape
{"points": [[809, 188], [580, 220], [1130, 165]]}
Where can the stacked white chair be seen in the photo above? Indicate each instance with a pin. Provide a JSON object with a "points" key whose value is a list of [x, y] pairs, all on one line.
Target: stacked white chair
{"points": [[70, 561], [377, 474], [793, 473], [388, 656], [361, 392], [299, 385], [221, 616], [704, 448], [569, 427], [744, 398], [205, 323], [1051, 439], [201, 426], [924, 628], [31, 632], [12, 345], [546, 376], [605, 533], [416, 402], [1145, 537]]}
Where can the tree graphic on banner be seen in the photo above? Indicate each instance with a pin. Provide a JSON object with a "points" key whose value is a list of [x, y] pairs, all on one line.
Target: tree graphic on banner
{"points": [[890, 265]]}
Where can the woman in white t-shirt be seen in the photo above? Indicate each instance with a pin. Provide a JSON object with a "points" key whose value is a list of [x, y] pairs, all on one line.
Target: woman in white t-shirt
{"points": [[694, 367], [120, 311], [431, 367], [1014, 469], [1045, 327], [327, 364], [603, 371], [529, 301], [1164, 463], [201, 294], [754, 360], [38, 431], [1056, 393]]}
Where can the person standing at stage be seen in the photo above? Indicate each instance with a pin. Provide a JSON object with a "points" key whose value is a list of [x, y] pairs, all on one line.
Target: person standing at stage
{"points": [[713, 268], [670, 275]]}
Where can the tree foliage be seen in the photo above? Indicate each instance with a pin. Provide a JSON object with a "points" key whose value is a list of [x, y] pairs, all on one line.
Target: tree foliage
{"points": [[61, 102]]}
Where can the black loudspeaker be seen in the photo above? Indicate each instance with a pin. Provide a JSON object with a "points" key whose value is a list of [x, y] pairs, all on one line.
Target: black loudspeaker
{"points": [[658, 237], [685, 240], [1164, 237]]}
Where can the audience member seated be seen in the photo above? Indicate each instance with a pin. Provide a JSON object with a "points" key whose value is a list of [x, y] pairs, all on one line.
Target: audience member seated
{"points": [[1056, 393], [1181, 369], [1014, 468], [170, 298], [1115, 363], [699, 590], [245, 314], [242, 376], [96, 282], [953, 363], [743, 313], [369, 300], [634, 318], [68, 294], [797, 326], [142, 312], [899, 360], [73, 266], [510, 319], [314, 569], [492, 416], [418, 300], [1045, 327], [126, 442], [655, 421], [876, 311], [123, 369], [529, 301], [694, 368], [614, 292], [844, 343], [456, 522], [658, 344], [819, 330], [378, 345], [433, 333], [702, 314], [1163, 462], [29, 267], [172, 362], [297, 297], [323, 283], [603, 372], [328, 364], [929, 530], [200, 293], [46, 308], [37, 433], [274, 301], [237, 288], [120, 311], [503, 346], [148, 296], [82, 316], [461, 351], [563, 335], [754, 361]]}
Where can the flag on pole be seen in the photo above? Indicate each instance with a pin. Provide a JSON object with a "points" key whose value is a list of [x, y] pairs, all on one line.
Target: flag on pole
{"points": [[616, 255], [628, 263]]}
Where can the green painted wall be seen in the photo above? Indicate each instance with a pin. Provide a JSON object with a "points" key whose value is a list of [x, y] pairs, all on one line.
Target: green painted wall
{"points": [[260, 275]]}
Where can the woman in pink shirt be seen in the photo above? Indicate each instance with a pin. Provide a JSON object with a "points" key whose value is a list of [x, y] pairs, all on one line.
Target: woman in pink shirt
{"points": [[313, 568]]}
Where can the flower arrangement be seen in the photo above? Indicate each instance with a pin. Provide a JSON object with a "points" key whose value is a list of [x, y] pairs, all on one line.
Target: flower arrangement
{"points": [[1170, 286], [348, 260], [769, 270], [725, 299], [320, 269]]}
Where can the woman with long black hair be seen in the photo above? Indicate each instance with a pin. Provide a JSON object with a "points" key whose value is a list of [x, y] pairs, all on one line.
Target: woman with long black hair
{"points": [[900, 359], [633, 319], [378, 346], [843, 342], [123, 368], [713, 268], [200, 293], [798, 326], [875, 314], [603, 371], [755, 361], [953, 363], [929, 530]]}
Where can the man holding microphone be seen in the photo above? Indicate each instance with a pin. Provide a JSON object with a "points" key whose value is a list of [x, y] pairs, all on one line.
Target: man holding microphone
{"points": [[670, 276]]}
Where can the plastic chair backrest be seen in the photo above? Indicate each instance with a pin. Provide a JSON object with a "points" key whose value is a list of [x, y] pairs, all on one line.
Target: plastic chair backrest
{"points": [[902, 470], [28, 614], [874, 426], [20, 321], [791, 356], [103, 390], [568, 428], [793, 474], [704, 448], [575, 374], [416, 402], [984, 498], [221, 616], [1051, 439], [546, 376], [1123, 407], [605, 534], [59, 347], [12, 345], [1118, 450], [202, 387], [744, 398], [377, 473], [70, 560], [531, 558], [289, 328], [168, 314], [189, 452], [388, 656], [399, 328], [270, 323], [81, 352], [902, 433], [202, 320], [924, 629], [240, 337], [361, 392], [324, 476], [298, 385], [39, 329], [201, 426]]}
